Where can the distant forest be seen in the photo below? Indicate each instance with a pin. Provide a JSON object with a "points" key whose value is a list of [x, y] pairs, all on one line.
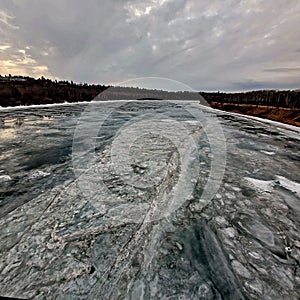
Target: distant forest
{"points": [[284, 99], [19, 90]]}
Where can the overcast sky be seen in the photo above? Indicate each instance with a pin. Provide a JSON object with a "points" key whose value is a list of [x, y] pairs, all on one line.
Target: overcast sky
{"points": [[228, 45]]}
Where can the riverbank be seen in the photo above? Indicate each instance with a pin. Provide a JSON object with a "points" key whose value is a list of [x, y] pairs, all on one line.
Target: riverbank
{"points": [[280, 114]]}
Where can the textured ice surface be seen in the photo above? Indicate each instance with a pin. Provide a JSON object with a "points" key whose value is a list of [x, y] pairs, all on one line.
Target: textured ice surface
{"points": [[59, 242]]}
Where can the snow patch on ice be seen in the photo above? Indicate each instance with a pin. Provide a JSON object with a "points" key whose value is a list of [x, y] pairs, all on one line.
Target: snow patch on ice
{"points": [[37, 174], [4, 178], [268, 185], [264, 185], [290, 185], [267, 152]]}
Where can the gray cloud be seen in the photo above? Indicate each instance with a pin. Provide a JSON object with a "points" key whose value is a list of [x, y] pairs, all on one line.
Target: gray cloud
{"points": [[209, 45], [287, 70]]}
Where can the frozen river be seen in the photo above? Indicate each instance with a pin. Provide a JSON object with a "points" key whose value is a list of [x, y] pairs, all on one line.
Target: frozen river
{"points": [[162, 207]]}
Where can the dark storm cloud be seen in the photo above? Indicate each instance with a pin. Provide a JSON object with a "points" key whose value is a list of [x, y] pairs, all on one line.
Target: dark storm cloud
{"points": [[211, 45]]}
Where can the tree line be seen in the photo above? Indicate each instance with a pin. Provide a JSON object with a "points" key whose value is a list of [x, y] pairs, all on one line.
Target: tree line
{"points": [[284, 99], [20, 90], [28, 91]]}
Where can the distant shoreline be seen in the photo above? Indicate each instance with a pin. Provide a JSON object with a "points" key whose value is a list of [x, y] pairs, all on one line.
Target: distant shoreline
{"points": [[18, 91]]}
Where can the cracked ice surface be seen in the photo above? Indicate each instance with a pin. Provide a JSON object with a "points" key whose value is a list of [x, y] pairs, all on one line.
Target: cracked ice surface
{"points": [[58, 241]]}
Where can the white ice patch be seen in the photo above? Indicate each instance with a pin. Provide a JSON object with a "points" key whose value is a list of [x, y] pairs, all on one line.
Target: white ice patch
{"points": [[264, 185], [267, 152], [4, 178], [268, 185], [37, 174], [292, 186], [192, 122]]}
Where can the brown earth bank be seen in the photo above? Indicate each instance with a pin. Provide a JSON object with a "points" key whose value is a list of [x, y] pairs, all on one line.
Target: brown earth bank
{"points": [[281, 114]]}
